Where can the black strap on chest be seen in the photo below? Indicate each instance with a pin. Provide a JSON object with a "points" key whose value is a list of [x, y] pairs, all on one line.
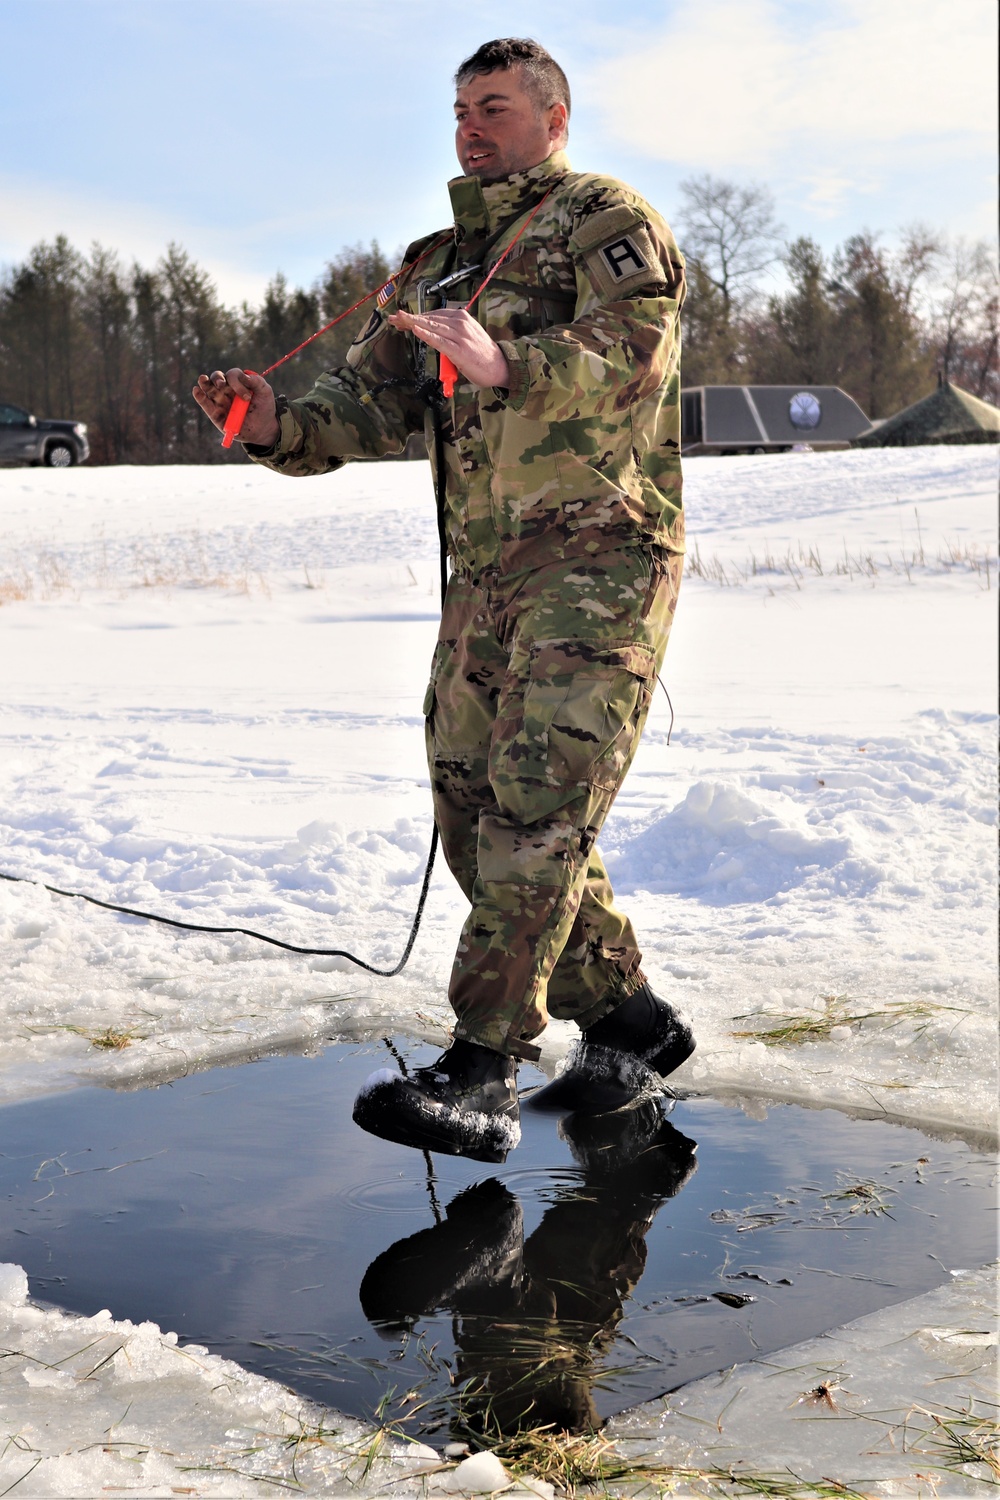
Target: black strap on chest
{"points": [[475, 273], [527, 289]]}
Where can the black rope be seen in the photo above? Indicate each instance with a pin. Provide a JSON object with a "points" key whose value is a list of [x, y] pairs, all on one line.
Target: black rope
{"points": [[431, 1178], [430, 391], [439, 492], [663, 685], [148, 916]]}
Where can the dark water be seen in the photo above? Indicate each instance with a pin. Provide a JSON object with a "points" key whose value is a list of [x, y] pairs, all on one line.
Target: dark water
{"points": [[243, 1209]]}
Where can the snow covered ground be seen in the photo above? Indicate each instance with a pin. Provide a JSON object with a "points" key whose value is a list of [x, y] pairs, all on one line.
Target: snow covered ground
{"points": [[212, 682]]}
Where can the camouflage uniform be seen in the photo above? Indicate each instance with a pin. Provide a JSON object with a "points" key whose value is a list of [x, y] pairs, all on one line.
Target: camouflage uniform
{"points": [[565, 533]]}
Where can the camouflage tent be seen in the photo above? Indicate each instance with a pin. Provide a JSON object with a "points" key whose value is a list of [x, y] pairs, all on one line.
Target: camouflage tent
{"points": [[950, 415]]}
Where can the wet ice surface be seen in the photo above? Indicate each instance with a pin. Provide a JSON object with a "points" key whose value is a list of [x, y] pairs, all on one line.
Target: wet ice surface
{"points": [[884, 1404], [243, 1210]]}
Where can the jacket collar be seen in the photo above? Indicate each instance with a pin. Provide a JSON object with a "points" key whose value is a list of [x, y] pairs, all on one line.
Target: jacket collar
{"points": [[483, 209]]}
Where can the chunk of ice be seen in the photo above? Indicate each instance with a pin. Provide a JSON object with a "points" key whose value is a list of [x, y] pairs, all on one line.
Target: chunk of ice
{"points": [[479, 1475], [13, 1285]]}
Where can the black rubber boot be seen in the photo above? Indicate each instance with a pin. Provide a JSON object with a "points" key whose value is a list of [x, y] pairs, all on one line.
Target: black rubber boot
{"points": [[622, 1060], [464, 1104]]}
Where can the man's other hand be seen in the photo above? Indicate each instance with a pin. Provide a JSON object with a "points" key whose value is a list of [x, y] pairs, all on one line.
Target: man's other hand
{"points": [[455, 332], [214, 394]]}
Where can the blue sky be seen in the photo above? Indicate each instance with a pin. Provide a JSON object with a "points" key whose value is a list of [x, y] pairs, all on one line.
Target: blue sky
{"points": [[267, 134]]}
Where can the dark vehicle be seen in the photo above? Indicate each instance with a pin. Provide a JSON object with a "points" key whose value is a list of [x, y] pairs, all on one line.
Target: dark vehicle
{"points": [[25, 439], [768, 418]]}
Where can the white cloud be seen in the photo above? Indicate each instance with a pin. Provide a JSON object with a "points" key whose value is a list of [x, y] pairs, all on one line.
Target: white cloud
{"points": [[832, 96], [30, 213]]}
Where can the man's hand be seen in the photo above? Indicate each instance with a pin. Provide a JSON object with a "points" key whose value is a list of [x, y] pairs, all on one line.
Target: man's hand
{"points": [[455, 332], [214, 394]]}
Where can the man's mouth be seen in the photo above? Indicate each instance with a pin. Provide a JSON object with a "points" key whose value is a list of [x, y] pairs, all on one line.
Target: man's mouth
{"points": [[475, 158]]}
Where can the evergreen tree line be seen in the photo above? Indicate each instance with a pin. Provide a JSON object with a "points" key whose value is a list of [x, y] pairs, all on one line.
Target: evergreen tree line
{"points": [[118, 347]]}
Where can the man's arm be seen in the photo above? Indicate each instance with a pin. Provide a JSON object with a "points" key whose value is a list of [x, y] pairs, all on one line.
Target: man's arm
{"points": [[365, 410]]}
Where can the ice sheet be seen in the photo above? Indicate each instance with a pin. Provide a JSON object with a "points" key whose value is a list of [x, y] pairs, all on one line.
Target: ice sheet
{"points": [[870, 1405]]}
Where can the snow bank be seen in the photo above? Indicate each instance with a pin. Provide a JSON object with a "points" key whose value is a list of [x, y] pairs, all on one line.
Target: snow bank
{"points": [[90, 1406]]}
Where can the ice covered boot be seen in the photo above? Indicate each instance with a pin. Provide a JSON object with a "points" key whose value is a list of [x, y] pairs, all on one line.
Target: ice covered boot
{"points": [[622, 1060], [464, 1104]]}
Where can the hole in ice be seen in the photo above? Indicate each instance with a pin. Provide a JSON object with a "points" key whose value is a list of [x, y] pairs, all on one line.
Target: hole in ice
{"points": [[600, 1266]]}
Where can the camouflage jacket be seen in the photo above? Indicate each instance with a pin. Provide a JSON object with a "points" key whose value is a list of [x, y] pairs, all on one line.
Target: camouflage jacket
{"points": [[581, 454]]}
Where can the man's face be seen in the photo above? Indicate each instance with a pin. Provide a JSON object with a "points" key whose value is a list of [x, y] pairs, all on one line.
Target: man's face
{"points": [[499, 127]]}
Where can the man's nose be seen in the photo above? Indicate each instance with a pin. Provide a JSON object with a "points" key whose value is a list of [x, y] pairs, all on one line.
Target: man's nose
{"points": [[469, 129]]}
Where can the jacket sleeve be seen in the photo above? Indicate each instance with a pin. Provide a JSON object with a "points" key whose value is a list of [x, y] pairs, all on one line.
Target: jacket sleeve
{"points": [[365, 410], [624, 340]]}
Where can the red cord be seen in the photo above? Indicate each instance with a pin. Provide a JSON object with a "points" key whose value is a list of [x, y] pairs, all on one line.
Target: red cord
{"points": [[340, 316], [239, 404], [447, 373]]}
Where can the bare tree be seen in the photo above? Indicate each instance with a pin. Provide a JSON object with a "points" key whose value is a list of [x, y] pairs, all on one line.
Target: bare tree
{"points": [[731, 233], [963, 317], [919, 252]]}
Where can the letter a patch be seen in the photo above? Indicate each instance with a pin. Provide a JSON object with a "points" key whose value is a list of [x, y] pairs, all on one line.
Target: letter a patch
{"points": [[618, 251], [623, 258]]}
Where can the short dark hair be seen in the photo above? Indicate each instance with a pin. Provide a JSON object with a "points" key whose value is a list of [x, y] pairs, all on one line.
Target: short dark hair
{"points": [[544, 78]]}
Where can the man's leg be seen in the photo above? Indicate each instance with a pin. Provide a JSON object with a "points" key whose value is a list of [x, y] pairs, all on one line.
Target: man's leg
{"points": [[585, 643], [602, 955], [460, 708], [601, 958], [465, 1103]]}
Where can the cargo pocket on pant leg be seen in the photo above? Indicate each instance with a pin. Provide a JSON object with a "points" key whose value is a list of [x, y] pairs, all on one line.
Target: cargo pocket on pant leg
{"points": [[583, 704], [593, 728]]}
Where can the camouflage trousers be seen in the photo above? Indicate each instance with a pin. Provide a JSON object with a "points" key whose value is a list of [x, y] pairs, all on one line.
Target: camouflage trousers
{"points": [[539, 692]]}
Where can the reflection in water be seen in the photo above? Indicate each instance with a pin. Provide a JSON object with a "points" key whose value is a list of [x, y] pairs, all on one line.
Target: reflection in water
{"points": [[534, 1318]]}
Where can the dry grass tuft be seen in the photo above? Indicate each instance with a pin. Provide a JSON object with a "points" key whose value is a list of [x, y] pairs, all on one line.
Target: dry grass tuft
{"points": [[798, 563], [14, 590], [957, 1437], [112, 1039], [791, 1029]]}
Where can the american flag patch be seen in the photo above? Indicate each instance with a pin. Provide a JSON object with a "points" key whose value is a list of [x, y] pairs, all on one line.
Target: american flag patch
{"points": [[385, 294]]}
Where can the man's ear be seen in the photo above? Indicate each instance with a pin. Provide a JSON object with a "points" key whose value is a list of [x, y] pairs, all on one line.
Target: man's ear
{"points": [[558, 121]]}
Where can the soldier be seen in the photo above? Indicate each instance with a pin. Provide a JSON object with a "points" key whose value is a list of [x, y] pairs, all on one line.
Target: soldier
{"points": [[558, 465]]}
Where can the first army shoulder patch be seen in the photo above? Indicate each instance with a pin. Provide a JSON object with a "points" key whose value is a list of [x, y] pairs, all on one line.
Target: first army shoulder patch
{"points": [[618, 250]]}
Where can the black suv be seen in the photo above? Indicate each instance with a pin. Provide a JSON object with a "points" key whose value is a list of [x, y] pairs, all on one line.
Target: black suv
{"points": [[25, 439]]}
